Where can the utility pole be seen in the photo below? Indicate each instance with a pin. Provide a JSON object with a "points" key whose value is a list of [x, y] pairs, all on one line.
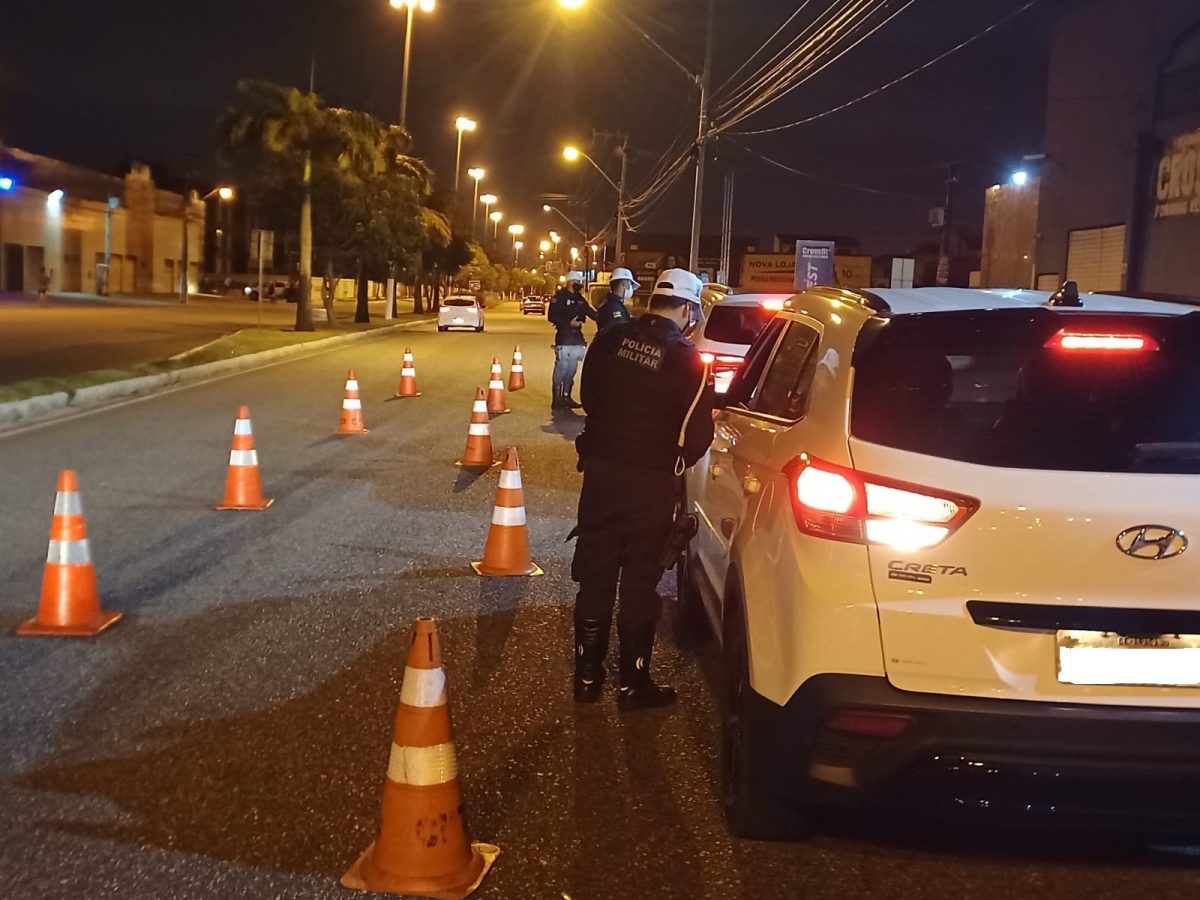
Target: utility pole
{"points": [[404, 77], [183, 261], [727, 230], [702, 141], [624, 153], [943, 269]]}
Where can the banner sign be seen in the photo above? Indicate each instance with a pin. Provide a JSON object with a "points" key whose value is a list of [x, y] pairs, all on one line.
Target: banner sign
{"points": [[1178, 185], [814, 264]]}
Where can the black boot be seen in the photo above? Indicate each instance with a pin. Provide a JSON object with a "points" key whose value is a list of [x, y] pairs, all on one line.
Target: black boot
{"points": [[638, 691], [591, 646]]}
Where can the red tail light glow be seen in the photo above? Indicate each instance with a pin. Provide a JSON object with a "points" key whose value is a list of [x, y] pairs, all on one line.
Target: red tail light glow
{"points": [[1082, 340], [772, 305], [869, 724], [842, 504], [723, 368]]}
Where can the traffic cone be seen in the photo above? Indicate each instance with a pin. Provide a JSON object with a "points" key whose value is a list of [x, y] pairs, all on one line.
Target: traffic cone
{"points": [[243, 485], [352, 417], [70, 604], [479, 436], [408, 377], [507, 551], [495, 395], [516, 375], [422, 848]]}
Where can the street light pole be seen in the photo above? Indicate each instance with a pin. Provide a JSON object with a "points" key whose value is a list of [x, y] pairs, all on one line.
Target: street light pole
{"points": [[404, 77], [477, 174], [462, 123], [624, 153], [701, 143]]}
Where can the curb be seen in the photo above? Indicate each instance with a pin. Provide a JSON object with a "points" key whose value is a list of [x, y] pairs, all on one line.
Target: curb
{"points": [[45, 406]]}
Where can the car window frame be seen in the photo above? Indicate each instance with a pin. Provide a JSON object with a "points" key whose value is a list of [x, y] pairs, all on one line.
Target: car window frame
{"points": [[765, 350], [790, 320]]}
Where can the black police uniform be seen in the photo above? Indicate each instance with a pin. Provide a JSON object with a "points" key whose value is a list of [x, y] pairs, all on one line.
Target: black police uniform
{"points": [[611, 312], [639, 380], [569, 344]]}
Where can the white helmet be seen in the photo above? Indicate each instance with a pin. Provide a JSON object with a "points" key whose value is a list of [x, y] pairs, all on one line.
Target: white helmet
{"points": [[679, 283], [575, 275], [624, 274]]}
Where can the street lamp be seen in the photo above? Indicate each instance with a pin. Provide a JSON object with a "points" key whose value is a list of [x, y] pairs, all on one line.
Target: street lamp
{"points": [[223, 193], [461, 124], [517, 245], [496, 217], [424, 6], [548, 208], [476, 173], [1020, 178], [572, 154], [544, 246], [571, 4], [574, 254], [487, 200]]}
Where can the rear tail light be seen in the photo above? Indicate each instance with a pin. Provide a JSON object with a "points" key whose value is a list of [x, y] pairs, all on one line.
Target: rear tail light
{"points": [[723, 368], [869, 724], [1067, 339], [843, 504], [772, 305]]}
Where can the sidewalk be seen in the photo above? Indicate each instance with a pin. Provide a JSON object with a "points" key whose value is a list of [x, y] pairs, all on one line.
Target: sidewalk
{"points": [[83, 332]]}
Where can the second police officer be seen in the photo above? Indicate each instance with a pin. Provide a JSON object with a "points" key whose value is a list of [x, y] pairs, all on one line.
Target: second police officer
{"points": [[620, 289], [649, 407]]}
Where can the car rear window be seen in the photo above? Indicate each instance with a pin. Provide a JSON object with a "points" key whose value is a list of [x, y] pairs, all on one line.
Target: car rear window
{"points": [[735, 324], [459, 301], [994, 387]]}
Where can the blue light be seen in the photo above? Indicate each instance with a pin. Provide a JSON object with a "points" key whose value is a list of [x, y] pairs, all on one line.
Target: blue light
{"points": [[6, 183], [1020, 178]]}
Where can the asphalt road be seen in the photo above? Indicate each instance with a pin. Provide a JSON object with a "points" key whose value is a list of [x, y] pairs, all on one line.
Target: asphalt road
{"points": [[229, 737], [73, 334]]}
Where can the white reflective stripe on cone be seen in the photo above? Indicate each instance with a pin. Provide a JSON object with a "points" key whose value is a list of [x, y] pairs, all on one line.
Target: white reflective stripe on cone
{"points": [[67, 504], [517, 357], [479, 429], [480, 406], [352, 385], [69, 553], [510, 479], [241, 426], [517, 367], [352, 403], [422, 766], [408, 370], [423, 687], [496, 386], [507, 515], [243, 458]]}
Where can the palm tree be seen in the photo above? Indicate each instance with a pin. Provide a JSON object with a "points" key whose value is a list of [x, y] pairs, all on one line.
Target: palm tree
{"points": [[292, 126]]}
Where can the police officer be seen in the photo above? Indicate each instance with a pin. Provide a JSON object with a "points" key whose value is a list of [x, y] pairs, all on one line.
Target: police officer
{"points": [[568, 311], [613, 310], [649, 415]]}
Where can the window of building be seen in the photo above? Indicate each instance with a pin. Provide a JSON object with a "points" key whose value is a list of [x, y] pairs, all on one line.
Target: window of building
{"points": [[1096, 258]]}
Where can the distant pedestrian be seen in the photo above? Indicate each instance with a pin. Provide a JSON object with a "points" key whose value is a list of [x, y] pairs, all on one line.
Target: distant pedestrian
{"points": [[44, 287]]}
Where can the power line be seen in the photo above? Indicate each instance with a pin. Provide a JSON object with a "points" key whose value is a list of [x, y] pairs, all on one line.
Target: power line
{"points": [[896, 81]]}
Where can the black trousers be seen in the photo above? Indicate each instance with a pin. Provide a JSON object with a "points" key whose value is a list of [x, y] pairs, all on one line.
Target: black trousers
{"points": [[625, 517]]}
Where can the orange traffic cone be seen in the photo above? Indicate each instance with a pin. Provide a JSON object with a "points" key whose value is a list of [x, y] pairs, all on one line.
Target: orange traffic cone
{"points": [[70, 603], [495, 395], [243, 484], [479, 436], [408, 377], [516, 375], [422, 848], [352, 417], [507, 551]]}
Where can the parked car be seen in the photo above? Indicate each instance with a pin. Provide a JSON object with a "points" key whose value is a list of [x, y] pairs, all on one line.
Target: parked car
{"points": [[533, 304], [273, 289], [462, 311], [941, 540], [731, 323]]}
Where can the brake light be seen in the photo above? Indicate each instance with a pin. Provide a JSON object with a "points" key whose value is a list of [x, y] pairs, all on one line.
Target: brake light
{"points": [[1084, 340], [772, 305], [842, 504], [723, 367]]}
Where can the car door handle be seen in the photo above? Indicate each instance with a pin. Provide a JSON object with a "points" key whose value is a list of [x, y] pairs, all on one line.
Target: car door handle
{"points": [[751, 485], [727, 526]]}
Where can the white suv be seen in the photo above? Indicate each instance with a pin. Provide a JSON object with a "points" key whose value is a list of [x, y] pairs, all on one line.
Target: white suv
{"points": [[941, 537]]}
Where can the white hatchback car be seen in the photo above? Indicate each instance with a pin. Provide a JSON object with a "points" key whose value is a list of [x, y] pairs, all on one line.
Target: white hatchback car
{"points": [[731, 323], [460, 311], [941, 538]]}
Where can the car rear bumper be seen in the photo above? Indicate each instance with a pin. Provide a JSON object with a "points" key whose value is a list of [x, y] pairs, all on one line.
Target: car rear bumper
{"points": [[1000, 759]]}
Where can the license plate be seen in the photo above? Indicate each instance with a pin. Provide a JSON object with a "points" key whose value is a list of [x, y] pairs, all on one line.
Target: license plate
{"points": [[458, 321], [1107, 658]]}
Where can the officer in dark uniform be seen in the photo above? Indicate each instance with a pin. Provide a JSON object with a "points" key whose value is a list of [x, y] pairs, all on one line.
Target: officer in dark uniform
{"points": [[613, 310], [568, 311], [649, 415]]}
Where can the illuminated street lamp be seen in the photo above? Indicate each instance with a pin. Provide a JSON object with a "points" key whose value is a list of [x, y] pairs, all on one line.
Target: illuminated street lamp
{"points": [[572, 154], [225, 192], [574, 254], [476, 173], [496, 217], [571, 4], [544, 246], [517, 245], [1020, 178], [424, 6], [488, 200], [461, 124]]}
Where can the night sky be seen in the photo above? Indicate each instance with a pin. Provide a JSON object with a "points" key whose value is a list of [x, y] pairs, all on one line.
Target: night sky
{"points": [[97, 83]]}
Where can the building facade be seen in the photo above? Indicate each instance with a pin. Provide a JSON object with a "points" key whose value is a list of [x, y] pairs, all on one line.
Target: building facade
{"points": [[69, 221], [1117, 188]]}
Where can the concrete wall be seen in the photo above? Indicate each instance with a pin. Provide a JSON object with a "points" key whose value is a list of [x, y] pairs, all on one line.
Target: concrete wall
{"points": [[70, 236], [1010, 222], [1104, 66]]}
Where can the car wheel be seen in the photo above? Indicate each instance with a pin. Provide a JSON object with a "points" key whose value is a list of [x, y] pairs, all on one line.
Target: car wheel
{"points": [[752, 810]]}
